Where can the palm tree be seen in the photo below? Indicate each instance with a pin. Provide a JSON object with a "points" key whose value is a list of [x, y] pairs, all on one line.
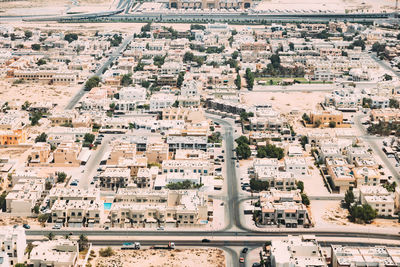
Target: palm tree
{"points": [[50, 236], [83, 242]]}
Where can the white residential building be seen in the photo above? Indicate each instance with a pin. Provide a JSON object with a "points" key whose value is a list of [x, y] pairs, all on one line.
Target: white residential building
{"points": [[160, 101], [296, 165], [364, 256], [24, 196], [13, 243], [297, 251], [55, 253], [378, 198]]}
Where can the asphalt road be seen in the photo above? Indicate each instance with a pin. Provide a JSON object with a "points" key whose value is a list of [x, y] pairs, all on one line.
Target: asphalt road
{"points": [[72, 103], [232, 185], [371, 140]]}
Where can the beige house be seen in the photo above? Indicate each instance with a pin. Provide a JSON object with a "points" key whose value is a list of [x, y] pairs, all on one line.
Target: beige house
{"points": [[179, 208], [122, 150], [57, 253], [40, 153], [66, 154], [341, 177], [157, 152]]}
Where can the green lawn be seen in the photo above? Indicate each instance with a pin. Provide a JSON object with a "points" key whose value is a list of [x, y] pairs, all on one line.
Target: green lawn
{"points": [[277, 80]]}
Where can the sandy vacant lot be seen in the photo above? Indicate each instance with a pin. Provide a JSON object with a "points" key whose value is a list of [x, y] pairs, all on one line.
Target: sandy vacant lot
{"points": [[286, 102], [81, 28], [336, 5], [36, 93], [211, 257]]}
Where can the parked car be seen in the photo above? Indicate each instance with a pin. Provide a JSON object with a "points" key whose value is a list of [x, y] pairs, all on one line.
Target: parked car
{"points": [[57, 226], [241, 260], [244, 250], [205, 240], [26, 226]]}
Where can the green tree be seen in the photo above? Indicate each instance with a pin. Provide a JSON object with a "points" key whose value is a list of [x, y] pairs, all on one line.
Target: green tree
{"points": [[300, 186], [349, 198], [42, 218], [61, 176], [28, 34], [332, 124], [41, 62], [362, 213], [92, 82], [106, 252], [89, 138], [244, 116], [359, 43], [275, 61], [291, 46], [181, 78], [3, 201], [238, 82], [126, 80], [387, 77], [188, 57], [367, 102], [41, 138], [26, 105], [35, 117], [235, 54], [304, 199], [304, 141], [50, 236], [146, 28], [35, 47], [393, 103], [83, 242], [71, 37], [36, 209], [258, 185], [249, 76], [306, 118], [243, 151], [242, 140], [270, 151]]}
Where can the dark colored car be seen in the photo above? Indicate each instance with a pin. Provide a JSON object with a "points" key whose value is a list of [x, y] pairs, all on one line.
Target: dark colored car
{"points": [[26, 226], [244, 250], [205, 240]]}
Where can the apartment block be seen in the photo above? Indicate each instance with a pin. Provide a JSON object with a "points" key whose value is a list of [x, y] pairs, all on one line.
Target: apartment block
{"points": [[296, 165], [157, 152], [114, 178], [121, 150], [341, 178], [24, 195], [182, 208], [78, 213], [364, 256], [297, 251], [67, 154], [60, 252], [187, 142], [13, 243], [379, 199], [289, 214], [202, 167], [323, 118], [40, 154]]}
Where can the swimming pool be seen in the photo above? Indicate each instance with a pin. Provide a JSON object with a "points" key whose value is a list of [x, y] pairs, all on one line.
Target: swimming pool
{"points": [[107, 206]]}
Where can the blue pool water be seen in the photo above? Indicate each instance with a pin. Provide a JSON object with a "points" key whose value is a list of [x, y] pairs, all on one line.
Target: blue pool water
{"points": [[107, 206]]}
